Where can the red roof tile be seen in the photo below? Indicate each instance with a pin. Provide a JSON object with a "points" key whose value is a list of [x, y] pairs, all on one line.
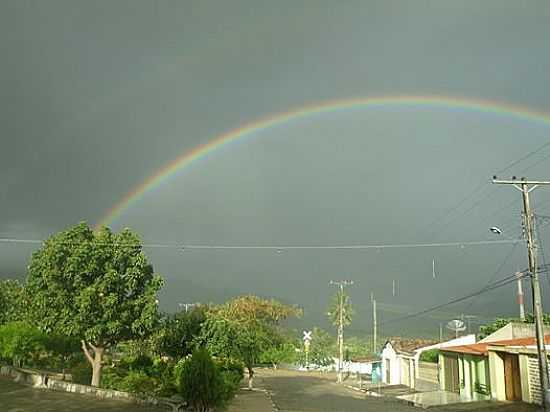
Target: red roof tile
{"points": [[481, 348]]}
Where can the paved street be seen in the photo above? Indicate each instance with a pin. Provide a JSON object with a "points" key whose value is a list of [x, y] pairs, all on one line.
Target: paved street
{"points": [[294, 391], [18, 398], [291, 392]]}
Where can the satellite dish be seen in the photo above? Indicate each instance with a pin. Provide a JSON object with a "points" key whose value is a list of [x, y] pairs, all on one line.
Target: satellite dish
{"points": [[456, 325], [495, 230]]}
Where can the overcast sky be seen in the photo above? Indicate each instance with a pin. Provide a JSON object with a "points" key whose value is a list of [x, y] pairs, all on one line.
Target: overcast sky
{"points": [[98, 95]]}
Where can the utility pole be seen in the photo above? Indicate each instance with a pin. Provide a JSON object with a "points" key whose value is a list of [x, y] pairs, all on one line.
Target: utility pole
{"points": [[440, 333], [341, 284], [375, 326], [468, 319], [526, 187], [520, 297]]}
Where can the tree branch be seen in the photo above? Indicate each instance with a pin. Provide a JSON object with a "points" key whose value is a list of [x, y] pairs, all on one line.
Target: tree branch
{"points": [[87, 353]]}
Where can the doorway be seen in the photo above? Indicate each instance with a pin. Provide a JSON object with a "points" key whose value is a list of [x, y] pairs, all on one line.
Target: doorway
{"points": [[452, 379], [512, 377]]}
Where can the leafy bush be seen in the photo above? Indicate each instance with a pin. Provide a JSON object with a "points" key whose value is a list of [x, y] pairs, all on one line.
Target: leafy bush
{"points": [[81, 373], [232, 372], [20, 342], [199, 381], [141, 375], [138, 382], [431, 355]]}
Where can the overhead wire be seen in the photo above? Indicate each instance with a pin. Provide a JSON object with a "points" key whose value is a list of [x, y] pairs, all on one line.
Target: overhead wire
{"points": [[495, 274], [521, 159], [500, 283], [184, 246]]}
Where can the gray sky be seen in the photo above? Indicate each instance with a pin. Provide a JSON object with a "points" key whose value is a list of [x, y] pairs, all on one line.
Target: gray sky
{"points": [[96, 96]]}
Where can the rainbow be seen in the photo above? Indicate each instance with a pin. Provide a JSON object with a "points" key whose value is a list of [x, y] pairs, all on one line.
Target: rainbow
{"points": [[248, 130]]}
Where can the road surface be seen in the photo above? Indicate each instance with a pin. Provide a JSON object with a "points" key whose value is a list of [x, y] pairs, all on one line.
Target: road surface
{"points": [[294, 391]]}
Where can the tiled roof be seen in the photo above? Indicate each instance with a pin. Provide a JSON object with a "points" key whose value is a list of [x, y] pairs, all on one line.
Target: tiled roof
{"points": [[481, 348], [410, 345]]}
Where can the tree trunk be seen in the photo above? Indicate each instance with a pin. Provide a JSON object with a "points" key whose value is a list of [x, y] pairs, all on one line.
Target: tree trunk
{"points": [[96, 361], [250, 378], [96, 367]]}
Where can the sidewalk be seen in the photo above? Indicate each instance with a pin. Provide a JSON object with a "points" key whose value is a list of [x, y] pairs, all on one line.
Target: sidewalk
{"points": [[251, 401]]}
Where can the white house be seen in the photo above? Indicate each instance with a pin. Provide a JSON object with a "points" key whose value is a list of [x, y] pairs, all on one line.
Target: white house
{"points": [[401, 358]]}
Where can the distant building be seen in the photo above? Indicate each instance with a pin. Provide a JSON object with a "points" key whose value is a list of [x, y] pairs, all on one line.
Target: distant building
{"points": [[398, 360], [401, 361]]}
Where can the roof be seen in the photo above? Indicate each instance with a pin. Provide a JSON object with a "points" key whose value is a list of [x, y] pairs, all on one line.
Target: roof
{"points": [[409, 345], [482, 347]]}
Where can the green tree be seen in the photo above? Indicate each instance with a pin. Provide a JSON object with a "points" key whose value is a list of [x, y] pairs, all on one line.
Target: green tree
{"points": [[282, 353], [321, 349], [177, 333], [20, 342], [335, 308], [486, 330], [95, 286], [199, 381], [244, 328], [11, 301]]}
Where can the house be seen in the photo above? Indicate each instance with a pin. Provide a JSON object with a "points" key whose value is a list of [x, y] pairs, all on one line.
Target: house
{"points": [[427, 374], [398, 360], [401, 361], [514, 330], [500, 370], [514, 370], [464, 370]]}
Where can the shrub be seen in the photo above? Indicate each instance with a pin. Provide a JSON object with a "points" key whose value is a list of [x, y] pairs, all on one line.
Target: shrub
{"points": [[431, 355], [138, 382], [20, 342], [232, 372], [81, 373], [199, 381]]}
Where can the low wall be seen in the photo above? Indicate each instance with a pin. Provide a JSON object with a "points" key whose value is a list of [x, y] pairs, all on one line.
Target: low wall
{"points": [[45, 381], [428, 371]]}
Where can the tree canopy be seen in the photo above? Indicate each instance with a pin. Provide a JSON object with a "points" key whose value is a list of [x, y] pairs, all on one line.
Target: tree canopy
{"points": [[245, 327], [12, 307], [96, 286]]}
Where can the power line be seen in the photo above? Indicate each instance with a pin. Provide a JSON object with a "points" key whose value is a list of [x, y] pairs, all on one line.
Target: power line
{"points": [[502, 282], [521, 159], [495, 274], [285, 247]]}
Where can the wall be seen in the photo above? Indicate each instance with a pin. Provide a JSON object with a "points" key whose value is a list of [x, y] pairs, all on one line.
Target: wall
{"points": [[428, 371], [514, 330], [496, 373], [43, 380], [388, 353]]}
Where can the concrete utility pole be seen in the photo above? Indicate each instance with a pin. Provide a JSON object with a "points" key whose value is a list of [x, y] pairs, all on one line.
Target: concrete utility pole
{"points": [[526, 187], [468, 320], [341, 284], [375, 326]]}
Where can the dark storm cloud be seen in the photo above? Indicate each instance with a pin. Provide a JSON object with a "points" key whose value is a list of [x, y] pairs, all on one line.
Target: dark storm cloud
{"points": [[96, 96]]}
